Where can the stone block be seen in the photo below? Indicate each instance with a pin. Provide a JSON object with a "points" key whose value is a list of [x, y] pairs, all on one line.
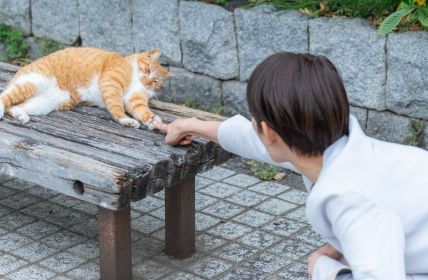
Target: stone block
{"points": [[235, 98], [208, 40], [388, 127], [355, 48], [263, 31], [407, 83], [186, 85], [156, 26], [106, 24], [16, 13], [361, 115], [56, 20]]}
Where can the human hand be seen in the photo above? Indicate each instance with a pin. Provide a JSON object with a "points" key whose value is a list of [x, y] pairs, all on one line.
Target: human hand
{"points": [[177, 132], [326, 250]]}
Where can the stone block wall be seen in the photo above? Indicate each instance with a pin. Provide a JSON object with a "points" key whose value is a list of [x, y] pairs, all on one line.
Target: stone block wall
{"points": [[213, 51]]}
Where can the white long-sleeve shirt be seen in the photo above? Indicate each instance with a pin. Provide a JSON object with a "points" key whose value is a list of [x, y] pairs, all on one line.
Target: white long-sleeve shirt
{"points": [[370, 202]]}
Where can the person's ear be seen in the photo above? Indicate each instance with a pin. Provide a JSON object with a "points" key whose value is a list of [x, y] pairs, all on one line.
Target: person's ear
{"points": [[268, 133]]}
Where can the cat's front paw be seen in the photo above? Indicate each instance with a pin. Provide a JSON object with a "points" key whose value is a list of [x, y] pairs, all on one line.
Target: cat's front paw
{"points": [[129, 122], [150, 123]]}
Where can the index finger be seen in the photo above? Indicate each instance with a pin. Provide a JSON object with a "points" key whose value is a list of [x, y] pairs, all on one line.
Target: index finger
{"points": [[161, 126]]}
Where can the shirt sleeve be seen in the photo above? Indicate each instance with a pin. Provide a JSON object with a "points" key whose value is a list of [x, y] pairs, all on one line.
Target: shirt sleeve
{"points": [[371, 237], [237, 135]]}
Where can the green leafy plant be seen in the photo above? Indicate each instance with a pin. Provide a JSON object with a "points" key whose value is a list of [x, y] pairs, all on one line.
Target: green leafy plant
{"points": [[352, 8], [217, 109], [14, 45], [417, 131], [264, 171], [192, 103], [49, 46], [221, 2], [410, 10]]}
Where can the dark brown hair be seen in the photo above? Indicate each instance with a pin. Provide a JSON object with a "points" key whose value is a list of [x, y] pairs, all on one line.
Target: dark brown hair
{"points": [[302, 98]]}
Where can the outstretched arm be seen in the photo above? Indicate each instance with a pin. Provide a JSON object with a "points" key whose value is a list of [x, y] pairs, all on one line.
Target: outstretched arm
{"points": [[235, 135]]}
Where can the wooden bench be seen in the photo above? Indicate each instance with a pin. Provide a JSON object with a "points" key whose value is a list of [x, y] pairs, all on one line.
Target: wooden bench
{"points": [[86, 155]]}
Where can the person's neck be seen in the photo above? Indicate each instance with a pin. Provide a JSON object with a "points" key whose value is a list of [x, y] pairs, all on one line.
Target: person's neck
{"points": [[310, 167]]}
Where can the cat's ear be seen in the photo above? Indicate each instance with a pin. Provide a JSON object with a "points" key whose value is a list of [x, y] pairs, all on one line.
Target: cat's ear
{"points": [[153, 54], [167, 73]]}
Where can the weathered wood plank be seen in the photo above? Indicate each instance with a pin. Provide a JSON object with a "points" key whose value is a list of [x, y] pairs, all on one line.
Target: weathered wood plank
{"points": [[84, 150], [67, 187], [33, 155]]}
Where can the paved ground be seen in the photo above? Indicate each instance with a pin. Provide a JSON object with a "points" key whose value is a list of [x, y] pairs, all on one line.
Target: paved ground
{"points": [[246, 229]]}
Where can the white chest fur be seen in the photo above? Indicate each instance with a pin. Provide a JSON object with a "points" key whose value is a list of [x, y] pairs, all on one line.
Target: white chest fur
{"points": [[136, 84], [91, 93]]}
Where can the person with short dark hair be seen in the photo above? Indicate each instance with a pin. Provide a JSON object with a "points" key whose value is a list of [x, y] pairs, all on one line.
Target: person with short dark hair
{"points": [[367, 198]]}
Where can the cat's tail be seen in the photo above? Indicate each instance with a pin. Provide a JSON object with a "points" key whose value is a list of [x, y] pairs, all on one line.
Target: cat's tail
{"points": [[16, 94]]}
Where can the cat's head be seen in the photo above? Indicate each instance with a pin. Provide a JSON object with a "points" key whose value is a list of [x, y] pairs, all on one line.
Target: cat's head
{"points": [[153, 74]]}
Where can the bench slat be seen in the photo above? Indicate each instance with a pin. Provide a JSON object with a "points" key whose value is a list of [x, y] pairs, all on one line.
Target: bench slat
{"points": [[35, 156]]}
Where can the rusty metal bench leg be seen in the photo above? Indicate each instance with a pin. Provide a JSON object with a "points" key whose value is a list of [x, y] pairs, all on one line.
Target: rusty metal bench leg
{"points": [[180, 219], [115, 243]]}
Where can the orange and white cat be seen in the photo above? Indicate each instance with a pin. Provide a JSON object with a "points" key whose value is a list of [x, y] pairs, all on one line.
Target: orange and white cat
{"points": [[87, 76]]}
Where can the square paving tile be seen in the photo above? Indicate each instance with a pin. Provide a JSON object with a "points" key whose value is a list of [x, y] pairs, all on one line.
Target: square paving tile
{"points": [[203, 222], [5, 210], [181, 275], [254, 218], [150, 269], [276, 206], [87, 208], [259, 239], [242, 273], [147, 224], [67, 218], [298, 214], [35, 252], [87, 271], [229, 230], [33, 272], [15, 220], [202, 200], [284, 227], [147, 204], [87, 228], [295, 196], [235, 252], [201, 182], [311, 237], [292, 249], [42, 192], [220, 190], [63, 240], [65, 200], [62, 262], [217, 173], [38, 229], [266, 263], [19, 200], [296, 271], [223, 210], [88, 249], [241, 180], [159, 213], [5, 192], [207, 243], [44, 209], [9, 263], [209, 267], [269, 188], [11, 241], [247, 198], [19, 184], [146, 247]]}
